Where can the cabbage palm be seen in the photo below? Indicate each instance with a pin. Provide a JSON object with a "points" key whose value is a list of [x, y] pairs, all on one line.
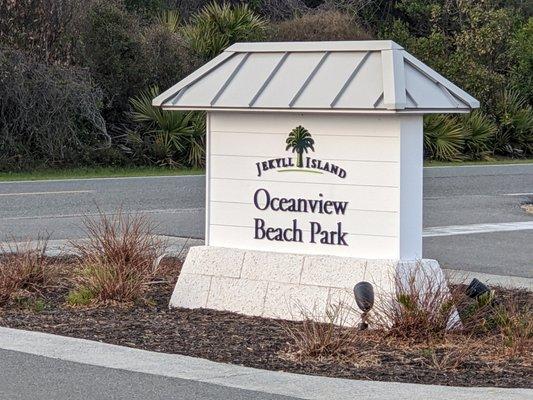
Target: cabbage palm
{"points": [[175, 134], [515, 120], [217, 26], [443, 138], [478, 132], [170, 19], [300, 140]]}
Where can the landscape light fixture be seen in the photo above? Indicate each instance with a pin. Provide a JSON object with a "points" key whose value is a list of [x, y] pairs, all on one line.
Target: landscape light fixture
{"points": [[476, 289], [364, 297]]}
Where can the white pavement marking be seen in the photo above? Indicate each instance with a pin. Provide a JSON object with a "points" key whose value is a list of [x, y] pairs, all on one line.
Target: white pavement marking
{"points": [[453, 230], [518, 194], [235, 376], [44, 193], [101, 179], [133, 212]]}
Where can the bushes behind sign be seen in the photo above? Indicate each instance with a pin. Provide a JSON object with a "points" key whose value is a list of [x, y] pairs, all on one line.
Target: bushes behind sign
{"points": [[91, 57]]}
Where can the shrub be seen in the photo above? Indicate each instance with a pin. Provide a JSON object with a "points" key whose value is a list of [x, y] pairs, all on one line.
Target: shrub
{"points": [[216, 27], [506, 319], [478, 132], [145, 8], [515, 327], [172, 137], [515, 119], [170, 19], [443, 138], [126, 54], [49, 115], [46, 28], [23, 267], [330, 338], [327, 25], [118, 259], [278, 10], [468, 42], [165, 58], [421, 308], [521, 51], [111, 48]]}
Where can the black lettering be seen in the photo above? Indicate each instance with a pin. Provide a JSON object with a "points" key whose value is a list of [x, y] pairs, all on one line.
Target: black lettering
{"points": [[259, 228], [315, 230], [267, 199], [340, 207]]}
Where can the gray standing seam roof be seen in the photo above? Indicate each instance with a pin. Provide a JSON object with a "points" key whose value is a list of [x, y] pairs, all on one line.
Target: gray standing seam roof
{"points": [[358, 76]]}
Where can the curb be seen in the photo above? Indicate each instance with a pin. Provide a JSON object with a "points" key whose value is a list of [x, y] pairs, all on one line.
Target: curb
{"points": [[446, 171], [234, 376]]}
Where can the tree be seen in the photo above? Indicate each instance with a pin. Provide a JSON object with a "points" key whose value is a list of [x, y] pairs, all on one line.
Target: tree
{"points": [[300, 140], [175, 138], [217, 26]]}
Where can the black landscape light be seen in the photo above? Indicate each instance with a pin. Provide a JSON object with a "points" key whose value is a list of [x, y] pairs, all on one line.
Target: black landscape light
{"points": [[476, 289], [364, 297]]}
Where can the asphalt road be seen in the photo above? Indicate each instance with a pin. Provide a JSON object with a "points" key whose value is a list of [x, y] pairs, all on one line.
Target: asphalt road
{"points": [[29, 377], [452, 196]]}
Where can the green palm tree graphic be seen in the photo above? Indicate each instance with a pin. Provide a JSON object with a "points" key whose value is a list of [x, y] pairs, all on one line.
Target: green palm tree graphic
{"points": [[300, 140]]}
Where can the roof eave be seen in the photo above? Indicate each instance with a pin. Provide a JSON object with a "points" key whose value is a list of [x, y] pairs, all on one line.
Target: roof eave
{"points": [[323, 110]]}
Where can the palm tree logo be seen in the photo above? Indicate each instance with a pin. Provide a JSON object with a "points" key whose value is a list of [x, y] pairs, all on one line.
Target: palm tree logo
{"points": [[300, 140]]}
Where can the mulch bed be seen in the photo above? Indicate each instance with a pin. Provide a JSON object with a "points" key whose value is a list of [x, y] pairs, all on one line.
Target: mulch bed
{"points": [[249, 341]]}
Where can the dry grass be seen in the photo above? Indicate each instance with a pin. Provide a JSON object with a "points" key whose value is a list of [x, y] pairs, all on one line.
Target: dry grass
{"points": [[118, 260], [420, 323], [422, 308], [23, 267], [331, 339], [514, 326]]}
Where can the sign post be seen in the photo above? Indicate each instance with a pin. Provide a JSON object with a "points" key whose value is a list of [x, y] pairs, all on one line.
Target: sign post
{"points": [[314, 172]]}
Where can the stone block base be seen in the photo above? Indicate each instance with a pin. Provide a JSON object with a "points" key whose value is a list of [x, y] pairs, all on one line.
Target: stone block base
{"points": [[280, 285]]}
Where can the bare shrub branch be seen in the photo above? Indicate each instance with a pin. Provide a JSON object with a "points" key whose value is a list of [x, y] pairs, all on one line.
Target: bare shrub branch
{"points": [[421, 307], [331, 338], [23, 266], [118, 260]]}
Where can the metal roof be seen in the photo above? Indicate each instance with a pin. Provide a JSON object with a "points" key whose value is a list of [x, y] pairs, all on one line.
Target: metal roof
{"points": [[353, 76]]}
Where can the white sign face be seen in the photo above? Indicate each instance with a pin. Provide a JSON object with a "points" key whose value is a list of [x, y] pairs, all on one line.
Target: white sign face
{"points": [[310, 184]]}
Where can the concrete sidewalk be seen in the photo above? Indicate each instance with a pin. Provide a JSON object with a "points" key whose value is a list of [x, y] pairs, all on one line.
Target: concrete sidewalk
{"points": [[226, 375]]}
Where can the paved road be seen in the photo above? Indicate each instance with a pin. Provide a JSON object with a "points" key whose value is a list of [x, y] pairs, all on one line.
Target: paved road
{"points": [[452, 196], [480, 195], [29, 377]]}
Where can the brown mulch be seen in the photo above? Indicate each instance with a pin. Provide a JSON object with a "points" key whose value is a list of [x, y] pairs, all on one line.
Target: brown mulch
{"points": [[251, 341]]}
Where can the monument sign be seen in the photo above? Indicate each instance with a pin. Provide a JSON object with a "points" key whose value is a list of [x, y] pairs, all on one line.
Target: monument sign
{"points": [[314, 171]]}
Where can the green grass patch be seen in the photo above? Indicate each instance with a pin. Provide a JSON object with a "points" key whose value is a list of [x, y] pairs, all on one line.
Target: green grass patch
{"points": [[80, 297], [496, 161], [96, 172]]}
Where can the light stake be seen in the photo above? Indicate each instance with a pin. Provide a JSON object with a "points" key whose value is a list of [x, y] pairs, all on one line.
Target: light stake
{"points": [[476, 289], [364, 297]]}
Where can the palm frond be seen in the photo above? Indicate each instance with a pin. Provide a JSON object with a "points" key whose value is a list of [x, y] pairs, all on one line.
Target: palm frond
{"points": [[177, 137], [170, 19], [217, 26], [443, 138], [478, 132]]}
